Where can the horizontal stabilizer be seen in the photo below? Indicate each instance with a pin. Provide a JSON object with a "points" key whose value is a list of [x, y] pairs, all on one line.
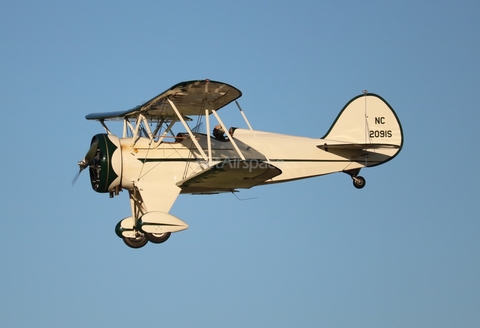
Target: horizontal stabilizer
{"points": [[229, 175], [352, 146], [369, 154]]}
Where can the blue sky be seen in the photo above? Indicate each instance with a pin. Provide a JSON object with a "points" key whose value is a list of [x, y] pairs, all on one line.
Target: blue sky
{"points": [[402, 252]]}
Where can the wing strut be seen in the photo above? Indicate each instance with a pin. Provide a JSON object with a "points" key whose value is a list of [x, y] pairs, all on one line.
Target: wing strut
{"points": [[250, 127], [209, 141], [167, 130], [104, 126], [188, 130]]}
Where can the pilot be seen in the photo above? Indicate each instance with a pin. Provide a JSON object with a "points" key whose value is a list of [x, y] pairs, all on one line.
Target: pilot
{"points": [[219, 133]]}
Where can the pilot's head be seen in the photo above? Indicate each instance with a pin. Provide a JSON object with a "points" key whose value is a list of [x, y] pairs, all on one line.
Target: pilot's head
{"points": [[218, 132]]}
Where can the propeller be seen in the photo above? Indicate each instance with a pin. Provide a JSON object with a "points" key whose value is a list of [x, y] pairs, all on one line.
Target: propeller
{"points": [[85, 162]]}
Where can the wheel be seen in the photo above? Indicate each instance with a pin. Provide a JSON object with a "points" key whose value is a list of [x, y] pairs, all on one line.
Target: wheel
{"points": [[136, 242], [359, 182], [158, 238]]}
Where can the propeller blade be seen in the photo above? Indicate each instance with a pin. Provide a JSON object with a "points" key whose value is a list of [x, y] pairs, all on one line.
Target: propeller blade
{"points": [[76, 176], [91, 152], [85, 162]]}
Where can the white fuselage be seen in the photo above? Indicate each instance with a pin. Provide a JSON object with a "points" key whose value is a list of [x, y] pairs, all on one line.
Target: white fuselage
{"points": [[171, 162]]}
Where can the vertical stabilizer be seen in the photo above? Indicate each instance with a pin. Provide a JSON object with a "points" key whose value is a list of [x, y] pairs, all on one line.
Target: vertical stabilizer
{"points": [[367, 119]]}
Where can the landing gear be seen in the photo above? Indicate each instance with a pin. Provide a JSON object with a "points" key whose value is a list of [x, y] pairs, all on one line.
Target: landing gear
{"points": [[136, 242], [158, 238], [142, 239], [135, 237], [359, 182]]}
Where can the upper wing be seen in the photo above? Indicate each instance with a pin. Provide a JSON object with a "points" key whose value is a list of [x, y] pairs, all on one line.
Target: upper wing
{"points": [[229, 175], [190, 98]]}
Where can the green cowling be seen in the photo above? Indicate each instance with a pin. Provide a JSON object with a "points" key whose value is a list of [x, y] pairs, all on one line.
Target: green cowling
{"points": [[106, 168]]}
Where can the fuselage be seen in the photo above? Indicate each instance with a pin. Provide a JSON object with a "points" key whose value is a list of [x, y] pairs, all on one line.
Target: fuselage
{"points": [[172, 161]]}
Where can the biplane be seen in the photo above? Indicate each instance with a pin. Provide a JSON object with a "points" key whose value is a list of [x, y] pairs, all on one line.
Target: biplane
{"points": [[155, 164]]}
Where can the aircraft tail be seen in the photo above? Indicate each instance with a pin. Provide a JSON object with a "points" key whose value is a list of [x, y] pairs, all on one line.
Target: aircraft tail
{"points": [[367, 119], [367, 122]]}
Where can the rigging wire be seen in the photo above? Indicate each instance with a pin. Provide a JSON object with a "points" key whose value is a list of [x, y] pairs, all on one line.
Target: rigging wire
{"points": [[152, 139], [191, 146]]}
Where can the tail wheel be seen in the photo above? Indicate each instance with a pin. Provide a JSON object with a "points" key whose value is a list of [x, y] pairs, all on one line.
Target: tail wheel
{"points": [[158, 238], [359, 182], [136, 242]]}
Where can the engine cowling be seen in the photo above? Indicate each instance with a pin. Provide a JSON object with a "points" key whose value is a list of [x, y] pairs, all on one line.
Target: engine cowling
{"points": [[106, 167]]}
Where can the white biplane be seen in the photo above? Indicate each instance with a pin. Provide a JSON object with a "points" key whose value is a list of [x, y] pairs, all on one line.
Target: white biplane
{"points": [[155, 165]]}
